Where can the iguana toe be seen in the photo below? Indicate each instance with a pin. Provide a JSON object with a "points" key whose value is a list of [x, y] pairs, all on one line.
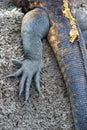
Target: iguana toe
{"points": [[37, 81], [17, 62], [15, 74]]}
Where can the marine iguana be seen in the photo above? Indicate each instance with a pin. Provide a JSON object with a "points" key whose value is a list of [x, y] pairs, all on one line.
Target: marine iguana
{"points": [[47, 17]]}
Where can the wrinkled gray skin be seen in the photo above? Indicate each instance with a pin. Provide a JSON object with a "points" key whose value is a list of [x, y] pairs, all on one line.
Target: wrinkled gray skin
{"points": [[32, 34]]}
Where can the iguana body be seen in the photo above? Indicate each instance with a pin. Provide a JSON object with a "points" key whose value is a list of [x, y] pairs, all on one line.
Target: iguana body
{"points": [[47, 17]]}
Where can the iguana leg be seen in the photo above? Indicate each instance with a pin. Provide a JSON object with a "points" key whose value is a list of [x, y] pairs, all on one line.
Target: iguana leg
{"points": [[35, 26]]}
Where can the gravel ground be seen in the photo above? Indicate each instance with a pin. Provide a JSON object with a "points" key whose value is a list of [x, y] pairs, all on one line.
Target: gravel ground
{"points": [[51, 109]]}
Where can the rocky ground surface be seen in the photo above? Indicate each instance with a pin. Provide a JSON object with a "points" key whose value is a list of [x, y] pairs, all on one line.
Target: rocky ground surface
{"points": [[51, 109]]}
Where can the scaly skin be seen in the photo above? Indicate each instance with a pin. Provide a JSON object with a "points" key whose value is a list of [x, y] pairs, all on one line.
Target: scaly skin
{"points": [[74, 4], [71, 57], [82, 19]]}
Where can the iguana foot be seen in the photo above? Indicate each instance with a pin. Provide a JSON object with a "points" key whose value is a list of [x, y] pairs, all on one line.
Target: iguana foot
{"points": [[28, 69]]}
